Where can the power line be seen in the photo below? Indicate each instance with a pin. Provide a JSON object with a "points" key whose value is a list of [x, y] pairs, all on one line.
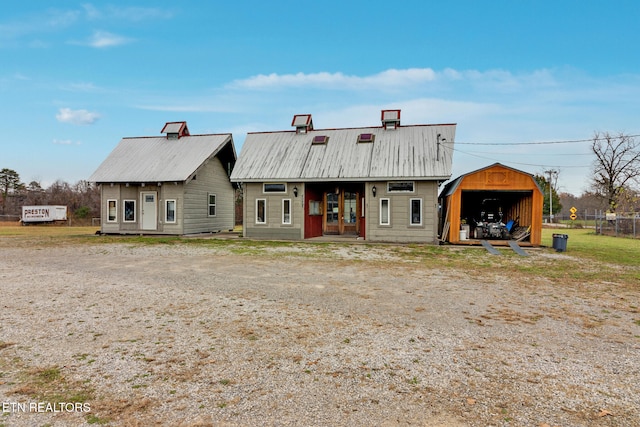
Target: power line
{"points": [[531, 154], [518, 163], [571, 141]]}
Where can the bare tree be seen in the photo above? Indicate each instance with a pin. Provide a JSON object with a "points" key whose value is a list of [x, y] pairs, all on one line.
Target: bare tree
{"points": [[617, 166]]}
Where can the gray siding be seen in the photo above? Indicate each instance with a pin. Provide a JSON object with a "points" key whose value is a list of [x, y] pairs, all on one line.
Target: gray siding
{"points": [[274, 228], [400, 229], [110, 193], [122, 192], [210, 178], [171, 191], [191, 204]]}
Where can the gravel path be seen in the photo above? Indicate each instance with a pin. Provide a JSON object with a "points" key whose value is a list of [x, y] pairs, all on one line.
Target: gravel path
{"points": [[197, 336]]}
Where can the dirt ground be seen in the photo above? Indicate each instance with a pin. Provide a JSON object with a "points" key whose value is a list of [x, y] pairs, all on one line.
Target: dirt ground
{"points": [[348, 336]]}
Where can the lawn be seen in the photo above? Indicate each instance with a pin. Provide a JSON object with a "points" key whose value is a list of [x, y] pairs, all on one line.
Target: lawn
{"points": [[589, 257], [586, 244]]}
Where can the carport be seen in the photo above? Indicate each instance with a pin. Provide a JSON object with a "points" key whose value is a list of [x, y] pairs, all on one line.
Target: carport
{"points": [[495, 203]]}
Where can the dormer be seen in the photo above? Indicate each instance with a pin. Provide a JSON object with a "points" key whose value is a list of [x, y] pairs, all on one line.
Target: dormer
{"points": [[390, 119], [302, 123], [175, 130]]}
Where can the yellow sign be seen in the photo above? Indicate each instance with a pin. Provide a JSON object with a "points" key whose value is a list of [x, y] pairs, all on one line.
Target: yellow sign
{"points": [[573, 210], [573, 216]]}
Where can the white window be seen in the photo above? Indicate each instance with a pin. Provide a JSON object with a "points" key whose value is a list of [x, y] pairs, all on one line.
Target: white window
{"points": [[385, 212], [129, 211], [112, 210], [415, 209], [261, 211], [212, 204], [274, 188], [170, 211], [400, 187], [286, 211]]}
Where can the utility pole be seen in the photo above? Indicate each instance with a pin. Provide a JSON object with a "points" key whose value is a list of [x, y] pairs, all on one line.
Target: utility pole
{"points": [[552, 174]]}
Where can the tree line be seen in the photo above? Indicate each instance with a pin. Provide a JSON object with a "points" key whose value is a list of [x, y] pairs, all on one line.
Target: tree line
{"points": [[82, 198]]}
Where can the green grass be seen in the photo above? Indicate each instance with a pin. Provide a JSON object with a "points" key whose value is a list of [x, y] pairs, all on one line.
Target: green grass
{"points": [[42, 231], [589, 257], [585, 243]]}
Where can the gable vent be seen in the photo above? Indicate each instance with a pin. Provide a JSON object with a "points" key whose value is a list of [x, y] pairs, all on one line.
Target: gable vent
{"points": [[175, 130], [302, 123], [390, 119]]}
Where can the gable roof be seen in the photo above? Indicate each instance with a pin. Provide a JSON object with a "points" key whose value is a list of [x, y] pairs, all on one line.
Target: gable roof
{"points": [[151, 159], [404, 152], [452, 186]]}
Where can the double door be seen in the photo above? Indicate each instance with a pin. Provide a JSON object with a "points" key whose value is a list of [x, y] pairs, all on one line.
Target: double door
{"points": [[342, 212]]}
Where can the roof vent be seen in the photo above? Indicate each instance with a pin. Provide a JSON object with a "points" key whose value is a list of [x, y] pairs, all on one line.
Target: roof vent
{"points": [[390, 119], [302, 122], [175, 130]]}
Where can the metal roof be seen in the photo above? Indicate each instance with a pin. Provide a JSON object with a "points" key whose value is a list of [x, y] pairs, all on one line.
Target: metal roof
{"points": [[404, 152], [451, 187], [151, 159]]}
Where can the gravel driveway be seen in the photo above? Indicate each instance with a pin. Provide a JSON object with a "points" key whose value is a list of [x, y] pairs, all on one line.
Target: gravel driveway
{"points": [[353, 335]]}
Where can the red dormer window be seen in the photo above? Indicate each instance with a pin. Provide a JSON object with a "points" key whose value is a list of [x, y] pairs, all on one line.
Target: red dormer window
{"points": [[366, 137], [319, 140]]}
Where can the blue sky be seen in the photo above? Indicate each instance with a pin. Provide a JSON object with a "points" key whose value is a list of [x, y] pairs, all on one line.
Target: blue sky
{"points": [[76, 77]]}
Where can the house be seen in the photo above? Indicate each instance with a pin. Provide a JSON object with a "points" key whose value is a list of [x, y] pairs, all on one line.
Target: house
{"points": [[496, 203], [172, 184], [376, 183]]}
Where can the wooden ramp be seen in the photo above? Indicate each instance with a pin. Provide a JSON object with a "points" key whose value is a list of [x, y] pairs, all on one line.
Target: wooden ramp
{"points": [[488, 246], [514, 245]]}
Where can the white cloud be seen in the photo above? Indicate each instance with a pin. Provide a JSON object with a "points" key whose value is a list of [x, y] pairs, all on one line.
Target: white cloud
{"points": [[388, 78], [76, 117], [102, 39], [404, 80]]}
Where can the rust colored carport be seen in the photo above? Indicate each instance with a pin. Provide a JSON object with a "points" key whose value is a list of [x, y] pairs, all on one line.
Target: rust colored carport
{"points": [[518, 193]]}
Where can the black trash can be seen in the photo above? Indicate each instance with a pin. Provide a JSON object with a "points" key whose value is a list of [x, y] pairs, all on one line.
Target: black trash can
{"points": [[560, 242]]}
